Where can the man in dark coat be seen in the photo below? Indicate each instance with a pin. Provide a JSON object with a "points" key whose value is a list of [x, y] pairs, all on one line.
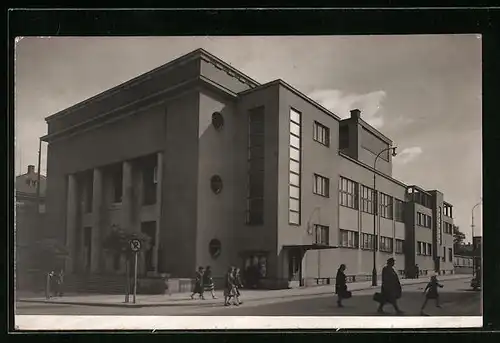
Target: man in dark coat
{"points": [[391, 288]]}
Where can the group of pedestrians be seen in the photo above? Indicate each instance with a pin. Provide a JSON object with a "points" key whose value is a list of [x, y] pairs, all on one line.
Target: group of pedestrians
{"points": [[232, 284], [391, 289], [204, 282]]}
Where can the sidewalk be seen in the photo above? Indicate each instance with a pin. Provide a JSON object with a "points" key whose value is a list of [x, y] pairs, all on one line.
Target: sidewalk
{"points": [[183, 299]]}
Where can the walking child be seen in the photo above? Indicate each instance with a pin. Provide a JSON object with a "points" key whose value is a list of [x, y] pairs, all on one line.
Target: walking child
{"points": [[431, 292]]}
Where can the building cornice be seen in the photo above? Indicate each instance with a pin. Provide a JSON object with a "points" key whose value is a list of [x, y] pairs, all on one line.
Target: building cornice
{"points": [[374, 131], [134, 82], [366, 166]]}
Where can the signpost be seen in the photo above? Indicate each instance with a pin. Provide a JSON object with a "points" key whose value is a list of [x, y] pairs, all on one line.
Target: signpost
{"points": [[135, 246]]}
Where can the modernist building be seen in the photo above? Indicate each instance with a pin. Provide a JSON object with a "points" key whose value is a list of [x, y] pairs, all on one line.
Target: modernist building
{"points": [[30, 215], [221, 170]]}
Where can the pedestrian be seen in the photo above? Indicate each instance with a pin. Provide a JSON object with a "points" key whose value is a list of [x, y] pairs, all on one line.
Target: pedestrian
{"points": [[238, 284], [208, 282], [417, 271], [50, 285], [341, 285], [391, 287], [198, 284], [431, 292], [60, 283], [229, 287]]}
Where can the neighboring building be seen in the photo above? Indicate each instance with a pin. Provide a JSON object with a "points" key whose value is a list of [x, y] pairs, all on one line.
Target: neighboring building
{"points": [[30, 215], [220, 170]]}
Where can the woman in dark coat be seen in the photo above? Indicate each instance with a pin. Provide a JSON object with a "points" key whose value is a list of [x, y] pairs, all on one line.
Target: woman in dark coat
{"points": [[208, 282], [198, 284], [238, 284], [341, 285], [229, 287]]}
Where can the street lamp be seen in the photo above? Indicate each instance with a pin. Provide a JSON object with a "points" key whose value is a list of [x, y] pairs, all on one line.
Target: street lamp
{"points": [[473, 245], [375, 212]]}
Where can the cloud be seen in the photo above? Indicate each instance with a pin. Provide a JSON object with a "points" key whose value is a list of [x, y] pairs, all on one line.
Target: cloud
{"points": [[407, 155], [342, 103]]}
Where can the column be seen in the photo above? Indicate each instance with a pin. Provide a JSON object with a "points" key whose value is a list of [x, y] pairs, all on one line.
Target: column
{"points": [[71, 221], [159, 189], [127, 197], [95, 263]]}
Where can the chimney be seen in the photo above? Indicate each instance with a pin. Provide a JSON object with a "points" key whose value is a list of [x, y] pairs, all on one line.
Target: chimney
{"points": [[31, 169], [356, 113]]}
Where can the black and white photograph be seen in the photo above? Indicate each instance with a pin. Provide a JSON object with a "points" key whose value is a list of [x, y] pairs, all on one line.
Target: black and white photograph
{"points": [[248, 182]]}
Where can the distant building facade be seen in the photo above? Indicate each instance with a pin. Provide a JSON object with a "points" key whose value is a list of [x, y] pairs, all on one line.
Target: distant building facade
{"points": [[29, 218], [220, 170]]}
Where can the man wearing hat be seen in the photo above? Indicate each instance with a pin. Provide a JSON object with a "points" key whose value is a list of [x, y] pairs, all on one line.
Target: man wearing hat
{"points": [[391, 288]]}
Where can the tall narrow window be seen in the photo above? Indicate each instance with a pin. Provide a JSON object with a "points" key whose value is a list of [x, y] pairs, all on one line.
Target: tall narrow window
{"points": [[367, 199], [348, 193], [322, 234], [295, 167], [386, 210], [321, 133], [399, 210], [321, 186], [256, 149]]}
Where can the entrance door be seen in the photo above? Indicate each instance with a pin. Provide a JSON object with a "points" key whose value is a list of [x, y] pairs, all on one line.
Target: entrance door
{"points": [[295, 265], [87, 248], [149, 228]]}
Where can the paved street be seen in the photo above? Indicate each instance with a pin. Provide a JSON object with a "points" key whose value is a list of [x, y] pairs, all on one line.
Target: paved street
{"points": [[456, 297]]}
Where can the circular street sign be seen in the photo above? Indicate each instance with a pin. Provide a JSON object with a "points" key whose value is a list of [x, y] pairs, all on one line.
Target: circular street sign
{"points": [[135, 245]]}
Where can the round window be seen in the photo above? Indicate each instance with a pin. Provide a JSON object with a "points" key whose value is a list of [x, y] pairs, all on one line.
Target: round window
{"points": [[216, 184], [214, 248], [217, 120]]}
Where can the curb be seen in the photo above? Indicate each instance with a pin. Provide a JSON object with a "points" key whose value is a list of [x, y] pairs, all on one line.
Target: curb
{"points": [[138, 305]]}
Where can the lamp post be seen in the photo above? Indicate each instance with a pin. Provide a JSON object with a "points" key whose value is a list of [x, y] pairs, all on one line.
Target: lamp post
{"points": [[473, 245], [375, 212]]}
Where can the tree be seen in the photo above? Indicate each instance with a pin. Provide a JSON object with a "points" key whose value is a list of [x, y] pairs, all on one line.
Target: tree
{"points": [[118, 241], [458, 239]]}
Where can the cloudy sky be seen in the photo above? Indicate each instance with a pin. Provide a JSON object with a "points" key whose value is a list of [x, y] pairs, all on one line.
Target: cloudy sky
{"points": [[424, 92]]}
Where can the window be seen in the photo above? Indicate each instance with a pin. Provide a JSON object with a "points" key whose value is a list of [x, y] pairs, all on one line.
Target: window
{"points": [[255, 185], [322, 233], [348, 193], [448, 228], [443, 258], [448, 210], [295, 167], [343, 137], [450, 254], [399, 210], [367, 199], [368, 241], [386, 206], [321, 134], [149, 179], [321, 185], [217, 120], [385, 244], [424, 249], [399, 246], [423, 220], [216, 184], [348, 239], [118, 186]]}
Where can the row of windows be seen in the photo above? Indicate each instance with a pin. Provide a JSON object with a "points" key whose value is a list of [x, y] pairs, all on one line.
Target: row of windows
{"points": [[322, 234], [350, 239], [450, 255], [424, 249], [294, 170], [423, 220], [389, 207], [448, 228]]}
